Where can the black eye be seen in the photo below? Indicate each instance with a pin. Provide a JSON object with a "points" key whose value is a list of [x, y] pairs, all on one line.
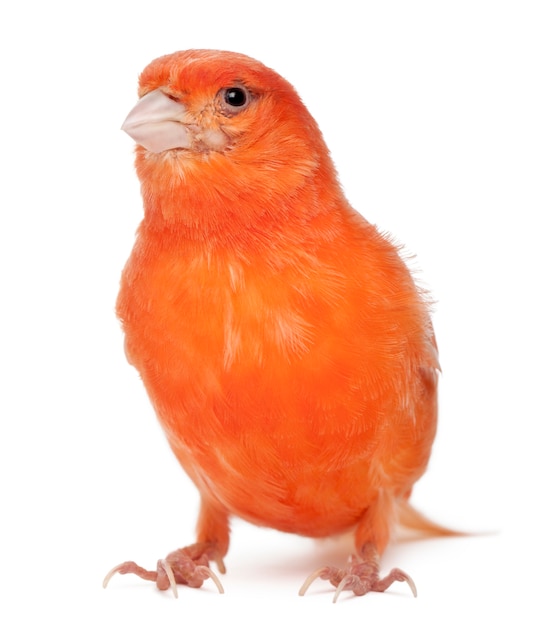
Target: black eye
{"points": [[235, 96], [233, 100]]}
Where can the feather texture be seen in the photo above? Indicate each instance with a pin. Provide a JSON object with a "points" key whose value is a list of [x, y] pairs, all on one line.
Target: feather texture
{"points": [[283, 342]]}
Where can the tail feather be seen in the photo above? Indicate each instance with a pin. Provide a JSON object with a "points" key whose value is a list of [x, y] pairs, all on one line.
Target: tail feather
{"points": [[415, 524]]}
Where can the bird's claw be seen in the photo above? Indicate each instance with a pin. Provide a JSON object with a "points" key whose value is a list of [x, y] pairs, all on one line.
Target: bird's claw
{"points": [[186, 566], [360, 576]]}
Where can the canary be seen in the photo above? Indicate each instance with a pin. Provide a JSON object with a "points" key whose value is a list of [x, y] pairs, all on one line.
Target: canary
{"points": [[285, 347]]}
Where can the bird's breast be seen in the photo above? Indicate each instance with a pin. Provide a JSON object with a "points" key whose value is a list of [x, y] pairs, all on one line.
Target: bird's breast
{"points": [[276, 383]]}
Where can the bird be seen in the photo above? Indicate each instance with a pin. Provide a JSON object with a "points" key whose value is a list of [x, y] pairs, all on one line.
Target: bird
{"points": [[286, 348]]}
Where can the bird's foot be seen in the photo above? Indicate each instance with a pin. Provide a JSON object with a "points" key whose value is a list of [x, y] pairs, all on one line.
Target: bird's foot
{"points": [[187, 566], [360, 576]]}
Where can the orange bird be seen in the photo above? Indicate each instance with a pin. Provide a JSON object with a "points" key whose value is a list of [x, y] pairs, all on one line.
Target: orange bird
{"points": [[282, 340]]}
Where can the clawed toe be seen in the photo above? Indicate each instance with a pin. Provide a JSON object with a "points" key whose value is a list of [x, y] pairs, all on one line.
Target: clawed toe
{"points": [[187, 566], [129, 567], [396, 575], [360, 576]]}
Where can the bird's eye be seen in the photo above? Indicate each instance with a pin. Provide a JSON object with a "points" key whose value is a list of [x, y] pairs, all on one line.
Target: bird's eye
{"points": [[234, 99], [235, 96]]}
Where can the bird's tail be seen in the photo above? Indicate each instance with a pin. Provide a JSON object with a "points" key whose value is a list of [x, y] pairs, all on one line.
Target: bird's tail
{"points": [[414, 524]]}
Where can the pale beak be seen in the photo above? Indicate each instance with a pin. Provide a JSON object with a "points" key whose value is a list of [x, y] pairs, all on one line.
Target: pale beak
{"points": [[156, 122]]}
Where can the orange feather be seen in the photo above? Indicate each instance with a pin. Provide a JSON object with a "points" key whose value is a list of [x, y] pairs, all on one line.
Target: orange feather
{"points": [[285, 347]]}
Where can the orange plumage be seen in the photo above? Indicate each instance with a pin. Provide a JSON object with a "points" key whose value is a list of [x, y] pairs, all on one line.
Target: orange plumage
{"points": [[281, 338]]}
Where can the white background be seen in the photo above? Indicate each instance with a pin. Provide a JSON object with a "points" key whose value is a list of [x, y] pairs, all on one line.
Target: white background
{"points": [[434, 113]]}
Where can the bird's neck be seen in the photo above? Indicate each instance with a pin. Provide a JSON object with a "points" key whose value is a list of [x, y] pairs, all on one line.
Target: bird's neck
{"points": [[205, 204]]}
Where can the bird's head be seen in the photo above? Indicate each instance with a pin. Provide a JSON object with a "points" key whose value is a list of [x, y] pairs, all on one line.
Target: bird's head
{"points": [[214, 126]]}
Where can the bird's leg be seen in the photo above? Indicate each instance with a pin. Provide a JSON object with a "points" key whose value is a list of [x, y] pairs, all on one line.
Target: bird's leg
{"points": [[360, 576], [187, 566]]}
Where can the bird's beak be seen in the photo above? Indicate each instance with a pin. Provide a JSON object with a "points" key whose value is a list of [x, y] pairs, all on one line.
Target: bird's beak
{"points": [[156, 122]]}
